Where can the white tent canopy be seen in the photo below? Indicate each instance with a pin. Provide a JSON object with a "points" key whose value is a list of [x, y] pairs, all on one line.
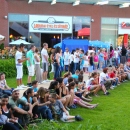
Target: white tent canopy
{"points": [[2, 37], [18, 42]]}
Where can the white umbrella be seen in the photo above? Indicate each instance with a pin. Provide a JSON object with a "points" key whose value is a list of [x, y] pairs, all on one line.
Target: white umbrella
{"points": [[2, 37], [18, 42]]}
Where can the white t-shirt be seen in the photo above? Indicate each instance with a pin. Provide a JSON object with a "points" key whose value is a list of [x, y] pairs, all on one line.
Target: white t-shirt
{"points": [[102, 76], [44, 52], [18, 56], [90, 51], [76, 59], [89, 82], [116, 54], [71, 58], [66, 58]]}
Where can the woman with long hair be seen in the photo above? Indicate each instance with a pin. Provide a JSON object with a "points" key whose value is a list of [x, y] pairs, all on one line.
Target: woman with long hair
{"points": [[37, 66], [123, 54]]}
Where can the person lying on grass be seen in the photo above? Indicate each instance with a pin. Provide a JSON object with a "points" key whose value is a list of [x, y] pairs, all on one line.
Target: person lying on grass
{"points": [[78, 100], [58, 110]]}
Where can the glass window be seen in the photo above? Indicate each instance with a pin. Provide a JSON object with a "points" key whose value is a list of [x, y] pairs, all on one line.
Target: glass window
{"points": [[81, 27], [109, 30]]}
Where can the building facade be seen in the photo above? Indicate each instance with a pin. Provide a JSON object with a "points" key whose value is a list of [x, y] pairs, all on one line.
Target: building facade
{"points": [[103, 21]]}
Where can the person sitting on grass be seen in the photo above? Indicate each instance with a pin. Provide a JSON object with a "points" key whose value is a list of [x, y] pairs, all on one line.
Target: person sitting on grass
{"points": [[79, 101], [94, 88], [5, 89], [23, 115], [28, 98], [75, 76], [66, 76], [42, 99], [127, 69], [58, 110], [35, 86], [12, 123]]}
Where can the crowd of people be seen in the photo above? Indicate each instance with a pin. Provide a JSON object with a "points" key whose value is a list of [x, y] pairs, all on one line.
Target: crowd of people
{"points": [[64, 92]]}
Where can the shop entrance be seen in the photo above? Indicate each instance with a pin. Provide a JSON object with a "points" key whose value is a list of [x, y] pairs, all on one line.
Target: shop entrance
{"points": [[51, 39]]}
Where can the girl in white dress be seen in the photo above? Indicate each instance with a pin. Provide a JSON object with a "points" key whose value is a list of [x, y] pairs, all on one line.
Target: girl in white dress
{"points": [[86, 62]]}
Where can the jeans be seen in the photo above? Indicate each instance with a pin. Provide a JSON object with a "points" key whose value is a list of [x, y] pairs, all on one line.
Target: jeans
{"points": [[105, 63], [110, 61], [44, 112], [10, 126], [114, 83], [66, 67], [116, 61], [76, 66], [8, 92], [56, 70]]}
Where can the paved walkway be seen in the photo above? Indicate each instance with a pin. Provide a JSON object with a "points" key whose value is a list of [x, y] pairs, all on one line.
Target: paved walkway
{"points": [[46, 85]]}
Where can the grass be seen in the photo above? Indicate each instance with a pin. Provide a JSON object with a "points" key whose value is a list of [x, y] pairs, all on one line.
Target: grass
{"points": [[112, 113]]}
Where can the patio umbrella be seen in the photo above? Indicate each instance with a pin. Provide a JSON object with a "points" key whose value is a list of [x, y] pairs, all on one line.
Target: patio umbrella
{"points": [[2, 37], [97, 43], [84, 32], [18, 42], [58, 45]]}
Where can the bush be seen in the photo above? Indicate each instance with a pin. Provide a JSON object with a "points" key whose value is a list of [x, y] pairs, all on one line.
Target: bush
{"points": [[8, 67]]}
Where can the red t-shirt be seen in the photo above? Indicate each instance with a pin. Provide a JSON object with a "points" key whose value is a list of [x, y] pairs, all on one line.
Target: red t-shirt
{"points": [[111, 75]]}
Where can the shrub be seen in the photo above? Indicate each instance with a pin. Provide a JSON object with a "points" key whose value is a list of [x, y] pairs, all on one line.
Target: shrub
{"points": [[8, 67]]}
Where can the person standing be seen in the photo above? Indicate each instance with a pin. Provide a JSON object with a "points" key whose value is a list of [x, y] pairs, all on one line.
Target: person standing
{"points": [[123, 54], [44, 55], [18, 61], [37, 66], [30, 64], [76, 60], [66, 59], [111, 55]]}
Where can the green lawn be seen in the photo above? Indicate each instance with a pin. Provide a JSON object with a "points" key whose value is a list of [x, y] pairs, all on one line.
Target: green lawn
{"points": [[113, 112]]}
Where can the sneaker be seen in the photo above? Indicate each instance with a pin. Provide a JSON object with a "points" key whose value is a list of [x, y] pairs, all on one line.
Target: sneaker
{"points": [[20, 88], [47, 80], [67, 109], [23, 86], [78, 118], [107, 93], [43, 81], [112, 87]]}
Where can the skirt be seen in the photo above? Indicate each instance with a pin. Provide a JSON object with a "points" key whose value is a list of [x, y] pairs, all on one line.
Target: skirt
{"points": [[90, 69]]}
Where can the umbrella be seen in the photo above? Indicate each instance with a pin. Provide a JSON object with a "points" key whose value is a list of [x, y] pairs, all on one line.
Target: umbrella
{"points": [[58, 45], [18, 42], [84, 32], [2, 37], [97, 43]]}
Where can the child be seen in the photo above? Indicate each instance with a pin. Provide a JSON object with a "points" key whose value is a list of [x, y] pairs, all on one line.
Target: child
{"points": [[58, 110], [95, 61], [79, 101], [91, 86], [35, 86], [86, 63], [90, 67], [75, 76]]}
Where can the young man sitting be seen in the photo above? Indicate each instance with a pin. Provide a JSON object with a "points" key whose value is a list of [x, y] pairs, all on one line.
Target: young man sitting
{"points": [[14, 102], [59, 112], [35, 86], [76, 75]]}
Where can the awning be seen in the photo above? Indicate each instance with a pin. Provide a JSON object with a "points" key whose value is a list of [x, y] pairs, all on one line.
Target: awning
{"points": [[84, 32]]}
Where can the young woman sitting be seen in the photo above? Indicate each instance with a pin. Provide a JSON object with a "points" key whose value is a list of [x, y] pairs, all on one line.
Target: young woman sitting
{"points": [[5, 89], [77, 100]]}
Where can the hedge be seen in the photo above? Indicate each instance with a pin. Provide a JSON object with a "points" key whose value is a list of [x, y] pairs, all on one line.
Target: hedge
{"points": [[8, 67]]}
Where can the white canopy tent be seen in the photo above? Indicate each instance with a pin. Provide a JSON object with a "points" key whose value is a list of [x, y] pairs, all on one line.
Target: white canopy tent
{"points": [[2, 37], [18, 42]]}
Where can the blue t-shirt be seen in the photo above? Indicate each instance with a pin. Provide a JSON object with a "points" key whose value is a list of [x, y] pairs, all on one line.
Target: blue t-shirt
{"points": [[75, 76], [25, 99], [101, 57], [35, 89]]}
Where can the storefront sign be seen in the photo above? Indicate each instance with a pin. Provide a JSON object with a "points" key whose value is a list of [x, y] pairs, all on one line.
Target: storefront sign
{"points": [[124, 26], [50, 24]]}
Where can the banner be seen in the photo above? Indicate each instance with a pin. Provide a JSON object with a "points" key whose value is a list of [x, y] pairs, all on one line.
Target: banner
{"points": [[124, 26], [50, 24]]}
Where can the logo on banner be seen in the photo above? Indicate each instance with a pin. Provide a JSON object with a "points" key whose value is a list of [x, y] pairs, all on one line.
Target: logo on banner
{"points": [[125, 25], [50, 25]]}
